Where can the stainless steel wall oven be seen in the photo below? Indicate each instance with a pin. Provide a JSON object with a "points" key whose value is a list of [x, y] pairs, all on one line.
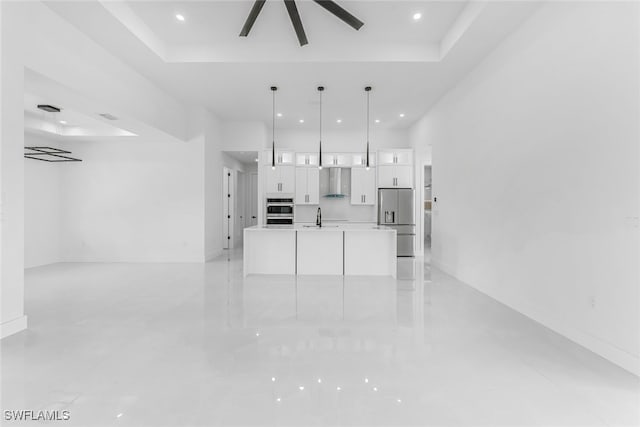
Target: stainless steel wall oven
{"points": [[279, 210]]}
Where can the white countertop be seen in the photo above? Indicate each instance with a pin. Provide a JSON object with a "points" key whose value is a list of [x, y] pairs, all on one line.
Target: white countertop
{"points": [[348, 226]]}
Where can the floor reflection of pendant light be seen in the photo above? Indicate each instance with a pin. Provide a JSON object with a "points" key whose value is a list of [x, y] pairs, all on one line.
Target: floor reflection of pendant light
{"points": [[273, 128], [368, 90], [320, 90]]}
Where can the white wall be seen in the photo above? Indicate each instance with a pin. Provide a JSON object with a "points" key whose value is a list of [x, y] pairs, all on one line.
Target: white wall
{"points": [[244, 136], [12, 318], [42, 206], [135, 201], [535, 167], [340, 141]]}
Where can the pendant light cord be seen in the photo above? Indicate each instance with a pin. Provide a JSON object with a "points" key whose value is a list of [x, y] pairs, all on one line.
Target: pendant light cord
{"points": [[273, 116], [320, 116], [368, 117]]}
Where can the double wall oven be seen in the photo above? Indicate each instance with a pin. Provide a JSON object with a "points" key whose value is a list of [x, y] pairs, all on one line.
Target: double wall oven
{"points": [[280, 210]]}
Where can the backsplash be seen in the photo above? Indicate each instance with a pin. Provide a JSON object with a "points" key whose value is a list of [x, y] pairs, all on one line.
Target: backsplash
{"points": [[335, 209]]}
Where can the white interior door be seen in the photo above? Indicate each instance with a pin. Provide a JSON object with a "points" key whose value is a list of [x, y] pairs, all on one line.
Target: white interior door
{"points": [[253, 199], [228, 208], [240, 203]]}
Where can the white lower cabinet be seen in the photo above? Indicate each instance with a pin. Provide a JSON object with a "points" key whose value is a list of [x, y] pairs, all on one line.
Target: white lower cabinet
{"points": [[281, 179], [363, 186], [307, 186], [398, 176]]}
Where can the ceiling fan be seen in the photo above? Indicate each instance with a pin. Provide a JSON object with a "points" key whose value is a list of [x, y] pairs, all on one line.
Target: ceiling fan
{"points": [[292, 9]]}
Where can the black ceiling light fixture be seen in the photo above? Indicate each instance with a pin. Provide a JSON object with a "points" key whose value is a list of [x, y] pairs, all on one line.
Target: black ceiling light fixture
{"points": [[320, 90], [273, 128], [368, 91], [49, 108], [292, 9]]}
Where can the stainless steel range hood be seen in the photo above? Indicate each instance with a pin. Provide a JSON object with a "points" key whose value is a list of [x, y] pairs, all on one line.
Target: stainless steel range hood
{"points": [[335, 183]]}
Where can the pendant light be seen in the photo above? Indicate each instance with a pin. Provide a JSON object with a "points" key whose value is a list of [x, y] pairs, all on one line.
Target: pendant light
{"points": [[273, 128], [320, 90], [368, 90]]}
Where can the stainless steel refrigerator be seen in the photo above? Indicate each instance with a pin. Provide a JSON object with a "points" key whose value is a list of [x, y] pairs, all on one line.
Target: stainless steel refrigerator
{"points": [[396, 210]]}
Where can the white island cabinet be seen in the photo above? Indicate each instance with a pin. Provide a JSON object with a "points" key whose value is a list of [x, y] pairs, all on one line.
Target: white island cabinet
{"points": [[334, 249]]}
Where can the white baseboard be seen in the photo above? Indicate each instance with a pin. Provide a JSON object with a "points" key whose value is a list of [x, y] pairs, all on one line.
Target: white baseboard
{"points": [[13, 326], [613, 354]]}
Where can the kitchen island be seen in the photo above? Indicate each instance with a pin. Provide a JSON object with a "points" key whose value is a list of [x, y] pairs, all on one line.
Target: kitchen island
{"points": [[351, 249]]}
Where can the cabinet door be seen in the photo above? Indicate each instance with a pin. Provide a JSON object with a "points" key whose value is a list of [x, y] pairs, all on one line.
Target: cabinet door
{"points": [[313, 186], [301, 186], [360, 159], [357, 179], [386, 157], [403, 158], [386, 176], [285, 158], [404, 176], [307, 159], [287, 178], [363, 186], [368, 186], [274, 180]]}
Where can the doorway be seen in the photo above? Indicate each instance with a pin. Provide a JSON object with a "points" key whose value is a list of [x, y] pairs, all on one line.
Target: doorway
{"points": [[239, 195], [428, 192], [227, 207]]}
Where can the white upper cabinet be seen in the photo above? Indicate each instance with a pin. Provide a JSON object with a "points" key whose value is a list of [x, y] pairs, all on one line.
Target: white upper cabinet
{"points": [[336, 160], [306, 159], [307, 186], [281, 179], [395, 157], [282, 157], [360, 159], [363, 186], [395, 176]]}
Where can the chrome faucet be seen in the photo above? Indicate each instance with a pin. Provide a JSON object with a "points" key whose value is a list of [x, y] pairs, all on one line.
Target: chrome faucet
{"points": [[319, 218]]}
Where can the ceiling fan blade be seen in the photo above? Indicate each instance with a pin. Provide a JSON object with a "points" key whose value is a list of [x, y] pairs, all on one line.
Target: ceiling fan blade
{"points": [[338, 11], [295, 20], [251, 19]]}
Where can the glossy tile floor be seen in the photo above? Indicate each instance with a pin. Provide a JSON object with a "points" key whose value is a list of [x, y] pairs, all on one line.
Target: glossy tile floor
{"points": [[190, 344]]}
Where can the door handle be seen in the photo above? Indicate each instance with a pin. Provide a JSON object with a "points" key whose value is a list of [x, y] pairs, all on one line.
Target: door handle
{"points": [[253, 217]]}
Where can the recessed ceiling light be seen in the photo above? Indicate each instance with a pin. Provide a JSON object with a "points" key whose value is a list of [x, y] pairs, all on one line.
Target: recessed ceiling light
{"points": [[377, 120], [401, 115], [301, 120], [256, 160], [279, 114], [417, 16], [63, 122], [179, 17], [339, 121]]}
